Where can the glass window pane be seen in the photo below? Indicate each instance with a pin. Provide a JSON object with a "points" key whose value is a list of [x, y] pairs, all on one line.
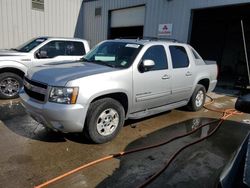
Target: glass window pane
{"points": [[75, 48], [158, 55], [53, 49], [179, 56]]}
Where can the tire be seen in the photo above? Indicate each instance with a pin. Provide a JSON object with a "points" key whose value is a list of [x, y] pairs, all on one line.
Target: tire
{"points": [[104, 120], [198, 98], [10, 85]]}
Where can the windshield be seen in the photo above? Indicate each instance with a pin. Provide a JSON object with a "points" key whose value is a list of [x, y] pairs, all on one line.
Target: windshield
{"points": [[113, 54], [31, 44]]}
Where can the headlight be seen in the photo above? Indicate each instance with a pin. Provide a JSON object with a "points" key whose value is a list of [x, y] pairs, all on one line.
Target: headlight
{"points": [[64, 95]]}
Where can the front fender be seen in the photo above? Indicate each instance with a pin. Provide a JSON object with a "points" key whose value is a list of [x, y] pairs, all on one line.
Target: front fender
{"points": [[14, 65]]}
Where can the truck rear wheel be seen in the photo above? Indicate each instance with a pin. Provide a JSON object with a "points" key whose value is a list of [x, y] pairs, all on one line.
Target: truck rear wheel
{"points": [[198, 98], [10, 85], [104, 120]]}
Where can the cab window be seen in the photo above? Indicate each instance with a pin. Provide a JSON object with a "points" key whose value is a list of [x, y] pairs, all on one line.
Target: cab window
{"points": [[61, 48], [158, 55], [179, 57]]}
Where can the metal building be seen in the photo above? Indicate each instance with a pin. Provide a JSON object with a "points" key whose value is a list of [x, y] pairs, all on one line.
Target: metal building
{"points": [[213, 27], [21, 20]]}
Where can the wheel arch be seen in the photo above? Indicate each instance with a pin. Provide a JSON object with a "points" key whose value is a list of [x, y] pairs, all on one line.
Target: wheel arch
{"points": [[205, 82], [17, 71], [119, 96]]}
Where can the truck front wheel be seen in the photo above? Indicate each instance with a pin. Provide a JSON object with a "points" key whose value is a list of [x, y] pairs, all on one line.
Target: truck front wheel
{"points": [[198, 98], [10, 84], [104, 120]]}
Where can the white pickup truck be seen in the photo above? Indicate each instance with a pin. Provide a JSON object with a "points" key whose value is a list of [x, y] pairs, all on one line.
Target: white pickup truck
{"points": [[117, 80], [15, 62]]}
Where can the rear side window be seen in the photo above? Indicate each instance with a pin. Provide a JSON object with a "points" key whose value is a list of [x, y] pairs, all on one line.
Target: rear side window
{"points": [[74, 48], [179, 56], [158, 55]]}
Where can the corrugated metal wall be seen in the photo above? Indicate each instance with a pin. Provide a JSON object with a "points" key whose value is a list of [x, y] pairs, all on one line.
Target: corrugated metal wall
{"points": [[19, 22], [177, 12], [71, 18]]}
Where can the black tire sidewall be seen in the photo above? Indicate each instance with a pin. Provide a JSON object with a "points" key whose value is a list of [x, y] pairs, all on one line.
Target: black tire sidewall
{"points": [[192, 104], [95, 109], [13, 76]]}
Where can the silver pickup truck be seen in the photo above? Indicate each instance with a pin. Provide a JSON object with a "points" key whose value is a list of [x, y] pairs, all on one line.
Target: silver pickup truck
{"points": [[117, 80]]}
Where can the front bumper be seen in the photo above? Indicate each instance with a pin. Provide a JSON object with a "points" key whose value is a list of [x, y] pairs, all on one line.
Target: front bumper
{"points": [[59, 117]]}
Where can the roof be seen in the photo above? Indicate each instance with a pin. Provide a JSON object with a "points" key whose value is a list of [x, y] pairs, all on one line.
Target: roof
{"points": [[60, 38], [146, 40]]}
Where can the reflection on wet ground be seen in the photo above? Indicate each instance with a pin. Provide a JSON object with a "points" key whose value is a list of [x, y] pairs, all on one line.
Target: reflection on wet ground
{"points": [[16, 119], [197, 166], [31, 154], [11, 110]]}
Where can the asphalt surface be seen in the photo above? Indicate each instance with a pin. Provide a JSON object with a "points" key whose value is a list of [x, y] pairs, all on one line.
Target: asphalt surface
{"points": [[31, 154]]}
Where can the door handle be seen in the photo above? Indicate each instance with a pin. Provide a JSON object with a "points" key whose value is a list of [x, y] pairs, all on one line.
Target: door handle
{"points": [[188, 73], [165, 77]]}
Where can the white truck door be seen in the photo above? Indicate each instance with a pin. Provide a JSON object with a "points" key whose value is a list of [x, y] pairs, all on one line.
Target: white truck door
{"points": [[59, 50], [182, 73], [151, 88]]}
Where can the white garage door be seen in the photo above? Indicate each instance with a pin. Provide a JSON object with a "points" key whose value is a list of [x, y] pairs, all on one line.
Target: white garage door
{"points": [[128, 17]]}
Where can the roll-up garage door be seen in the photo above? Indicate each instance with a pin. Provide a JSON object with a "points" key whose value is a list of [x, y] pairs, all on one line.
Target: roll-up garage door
{"points": [[217, 35], [127, 22]]}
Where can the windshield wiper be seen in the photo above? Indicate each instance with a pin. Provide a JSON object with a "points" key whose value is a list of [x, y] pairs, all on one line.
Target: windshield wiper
{"points": [[104, 63], [99, 62], [14, 49], [85, 60]]}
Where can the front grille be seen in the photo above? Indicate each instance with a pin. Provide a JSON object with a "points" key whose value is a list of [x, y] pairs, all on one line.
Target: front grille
{"points": [[38, 84], [35, 89]]}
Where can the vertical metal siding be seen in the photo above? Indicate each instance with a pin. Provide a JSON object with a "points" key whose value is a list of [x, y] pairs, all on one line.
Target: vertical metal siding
{"points": [[96, 27], [177, 12], [19, 22]]}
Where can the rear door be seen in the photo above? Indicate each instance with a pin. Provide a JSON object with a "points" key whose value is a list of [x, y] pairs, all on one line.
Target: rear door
{"points": [[183, 73], [152, 88]]}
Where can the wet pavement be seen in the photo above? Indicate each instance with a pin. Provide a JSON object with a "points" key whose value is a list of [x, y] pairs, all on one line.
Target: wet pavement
{"points": [[31, 154]]}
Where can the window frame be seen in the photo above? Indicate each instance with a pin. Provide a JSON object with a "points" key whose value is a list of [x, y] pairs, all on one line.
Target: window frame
{"points": [[166, 58], [38, 3], [56, 40]]}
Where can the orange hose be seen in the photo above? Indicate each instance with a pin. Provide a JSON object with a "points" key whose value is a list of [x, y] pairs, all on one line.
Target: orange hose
{"points": [[75, 170], [226, 113]]}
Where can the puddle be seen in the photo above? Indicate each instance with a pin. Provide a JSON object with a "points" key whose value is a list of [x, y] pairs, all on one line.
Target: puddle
{"points": [[196, 166], [17, 120], [11, 110]]}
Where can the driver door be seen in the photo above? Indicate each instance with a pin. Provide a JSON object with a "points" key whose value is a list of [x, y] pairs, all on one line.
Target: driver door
{"points": [[152, 88]]}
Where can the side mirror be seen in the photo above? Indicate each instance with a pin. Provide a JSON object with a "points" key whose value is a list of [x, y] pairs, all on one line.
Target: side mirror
{"points": [[243, 104], [42, 54], [146, 65]]}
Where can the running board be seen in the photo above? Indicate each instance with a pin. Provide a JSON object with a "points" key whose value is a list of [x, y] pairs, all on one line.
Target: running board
{"points": [[157, 110]]}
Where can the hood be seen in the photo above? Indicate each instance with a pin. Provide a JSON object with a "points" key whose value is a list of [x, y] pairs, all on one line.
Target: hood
{"points": [[11, 53], [59, 73]]}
